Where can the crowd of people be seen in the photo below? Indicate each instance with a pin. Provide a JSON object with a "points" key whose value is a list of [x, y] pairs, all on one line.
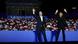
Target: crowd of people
{"points": [[72, 24], [17, 24], [30, 24]]}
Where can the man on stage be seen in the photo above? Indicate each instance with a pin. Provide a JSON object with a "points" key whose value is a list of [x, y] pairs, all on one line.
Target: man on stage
{"points": [[61, 24], [40, 28]]}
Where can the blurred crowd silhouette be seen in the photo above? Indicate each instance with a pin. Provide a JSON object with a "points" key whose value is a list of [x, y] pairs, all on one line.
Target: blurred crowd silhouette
{"points": [[22, 24]]}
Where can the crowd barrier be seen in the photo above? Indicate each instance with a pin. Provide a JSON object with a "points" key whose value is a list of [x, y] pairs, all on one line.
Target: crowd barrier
{"points": [[29, 36]]}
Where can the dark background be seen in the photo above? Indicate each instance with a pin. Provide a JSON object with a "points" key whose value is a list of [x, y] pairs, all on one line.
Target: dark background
{"points": [[3, 8], [48, 5], [59, 3]]}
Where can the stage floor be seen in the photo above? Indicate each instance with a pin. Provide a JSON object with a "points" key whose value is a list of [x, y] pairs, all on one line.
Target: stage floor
{"points": [[29, 36]]}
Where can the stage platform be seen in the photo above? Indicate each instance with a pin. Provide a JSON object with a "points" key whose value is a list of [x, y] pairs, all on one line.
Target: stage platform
{"points": [[29, 36]]}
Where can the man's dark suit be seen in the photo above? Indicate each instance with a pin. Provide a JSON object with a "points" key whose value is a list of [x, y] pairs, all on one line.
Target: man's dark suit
{"points": [[40, 28], [61, 24]]}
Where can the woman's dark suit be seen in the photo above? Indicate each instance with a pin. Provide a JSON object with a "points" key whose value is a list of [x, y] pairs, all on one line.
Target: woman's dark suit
{"points": [[61, 24]]}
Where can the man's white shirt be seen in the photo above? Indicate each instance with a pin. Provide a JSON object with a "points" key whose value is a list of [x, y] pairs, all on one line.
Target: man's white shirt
{"points": [[41, 17]]}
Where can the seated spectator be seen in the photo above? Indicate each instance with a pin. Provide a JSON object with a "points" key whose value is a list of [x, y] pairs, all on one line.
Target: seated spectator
{"points": [[1, 27], [10, 28], [66, 28], [77, 24], [54, 26], [21, 28], [14, 29], [34, 26], [26, 27], [6, 27]]}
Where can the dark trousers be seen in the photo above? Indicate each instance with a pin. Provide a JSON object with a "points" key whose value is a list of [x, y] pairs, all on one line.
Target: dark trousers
{"points": [[58, 33], [38, 36], [53, 33]]}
